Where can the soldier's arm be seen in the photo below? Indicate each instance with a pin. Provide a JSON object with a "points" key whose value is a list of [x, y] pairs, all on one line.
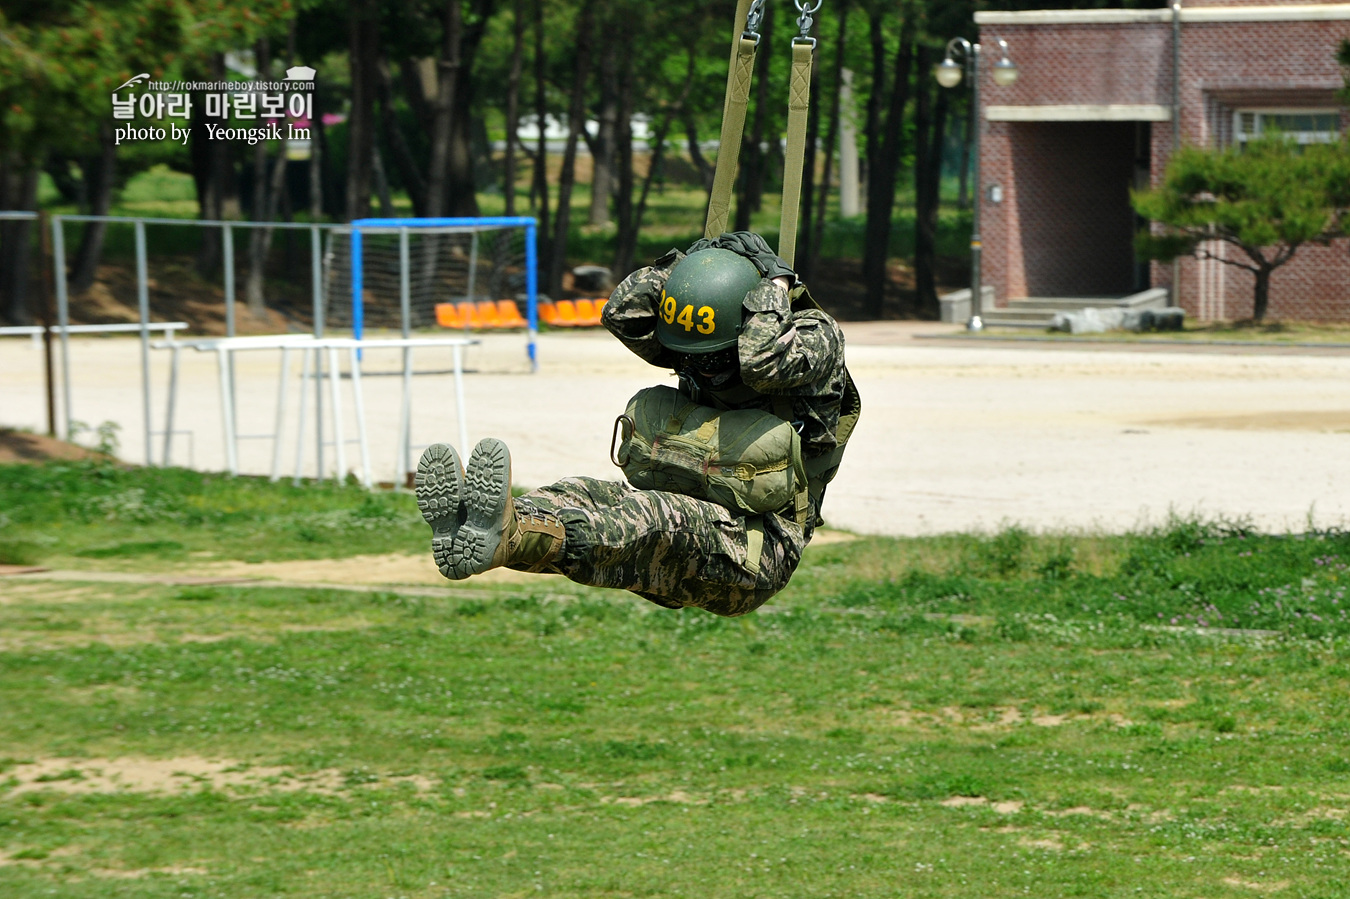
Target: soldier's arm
{"points": [[781, 351], [630, 314]]}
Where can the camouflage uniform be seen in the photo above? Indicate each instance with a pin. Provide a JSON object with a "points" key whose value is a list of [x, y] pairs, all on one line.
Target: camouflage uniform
{"points": [[675, 550]]}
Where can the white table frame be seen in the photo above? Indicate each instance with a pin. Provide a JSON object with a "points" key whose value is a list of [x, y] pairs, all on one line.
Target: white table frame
{"points": [[226, 347]]}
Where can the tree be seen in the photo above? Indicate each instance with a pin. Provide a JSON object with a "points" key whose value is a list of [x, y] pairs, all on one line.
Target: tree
{"points": [[884, 130], [1266, 199], [59, 62]]}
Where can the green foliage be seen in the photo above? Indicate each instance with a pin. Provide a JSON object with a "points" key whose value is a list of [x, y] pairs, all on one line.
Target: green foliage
{"points": [[60, 61], [1269, 192], [1265, 198]]}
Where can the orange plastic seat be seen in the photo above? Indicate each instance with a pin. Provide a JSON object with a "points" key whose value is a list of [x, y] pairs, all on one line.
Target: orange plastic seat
{"points": [[586, 314], [548, 313], [468, 315], [600, 306], [487, 315], [567, 314], [509, 314], [447, 316]]}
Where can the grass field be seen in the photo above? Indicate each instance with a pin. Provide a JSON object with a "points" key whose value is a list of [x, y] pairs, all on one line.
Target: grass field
{"points": [[1159, 714]]}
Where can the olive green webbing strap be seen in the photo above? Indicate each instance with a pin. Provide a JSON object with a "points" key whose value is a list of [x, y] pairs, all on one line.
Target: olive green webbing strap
{"points": [[741, 69], [742, 17], [799, 100], [754, 542]]}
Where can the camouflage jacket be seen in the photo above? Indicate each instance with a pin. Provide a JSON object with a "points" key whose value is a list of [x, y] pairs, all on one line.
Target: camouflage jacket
{"points": [[784, 354]]}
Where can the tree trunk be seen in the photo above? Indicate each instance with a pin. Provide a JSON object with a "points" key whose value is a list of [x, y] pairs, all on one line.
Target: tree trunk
{"points": [[1262, 298], [540, 188], [260, 241], [398, 144], [605, 146], [881, 173], [381, 182], [513, 107], [625, 254], [923, 126], [831, 137], [362, 50], [447, 74], [963, 192], [752, 153], [927, 186], [576, 120], [74, 191], [414, 91], [623, 160], [18, 190], [100, 179], [317, 142], [872, 122], [257, 253], [706, 172], [466, 133], [203, 156]]}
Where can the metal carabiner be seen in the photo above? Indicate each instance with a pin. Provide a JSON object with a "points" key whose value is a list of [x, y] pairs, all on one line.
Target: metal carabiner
{"points": [[804, 21], [623, 430], [753, 18]]}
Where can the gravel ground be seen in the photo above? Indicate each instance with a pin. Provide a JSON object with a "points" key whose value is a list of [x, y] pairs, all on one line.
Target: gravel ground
{"points": [[955, 435]]}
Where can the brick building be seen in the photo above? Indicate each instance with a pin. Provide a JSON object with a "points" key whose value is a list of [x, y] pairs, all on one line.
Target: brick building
{"points": [[1091, 115]]}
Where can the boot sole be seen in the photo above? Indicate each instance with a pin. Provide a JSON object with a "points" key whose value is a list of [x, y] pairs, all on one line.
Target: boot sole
{"points": [[488, 490], [439, 487]]}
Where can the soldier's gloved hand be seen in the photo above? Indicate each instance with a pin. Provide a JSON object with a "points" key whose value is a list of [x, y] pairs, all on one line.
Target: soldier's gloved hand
{"points": [[753, 247]]}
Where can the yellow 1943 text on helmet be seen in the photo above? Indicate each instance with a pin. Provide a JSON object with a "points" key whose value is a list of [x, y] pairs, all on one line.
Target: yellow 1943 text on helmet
{"points": [[700, 309]]}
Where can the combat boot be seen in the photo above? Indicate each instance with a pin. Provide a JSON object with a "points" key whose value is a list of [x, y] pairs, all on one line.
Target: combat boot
{"points": [[439, 486], [494, 534]]}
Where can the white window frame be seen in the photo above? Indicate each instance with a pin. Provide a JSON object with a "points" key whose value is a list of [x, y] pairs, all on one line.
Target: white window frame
{"points": [[1259, 113]]}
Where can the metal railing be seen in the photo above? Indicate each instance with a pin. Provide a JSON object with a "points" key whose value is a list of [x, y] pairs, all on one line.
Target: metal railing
{"points": [[324, 238], [138, 223]]}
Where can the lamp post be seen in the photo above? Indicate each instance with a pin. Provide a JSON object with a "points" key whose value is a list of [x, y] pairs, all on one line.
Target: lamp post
{"points": [[948, 74]]}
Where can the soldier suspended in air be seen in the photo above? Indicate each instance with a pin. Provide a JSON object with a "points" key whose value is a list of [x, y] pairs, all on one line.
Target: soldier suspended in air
{"points": [[730, 468]]}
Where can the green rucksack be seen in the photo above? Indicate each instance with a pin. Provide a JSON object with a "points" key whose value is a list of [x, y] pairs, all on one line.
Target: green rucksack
{"points": [[744, 459]]}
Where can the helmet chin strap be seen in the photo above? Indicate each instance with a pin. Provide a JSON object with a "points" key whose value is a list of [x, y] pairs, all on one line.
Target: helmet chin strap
{"points": [[722, 363]]}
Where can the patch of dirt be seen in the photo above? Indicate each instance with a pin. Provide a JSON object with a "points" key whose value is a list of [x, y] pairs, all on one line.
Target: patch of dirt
{"points": [[180, 774], [1008, 716], [178, 293], [1327, 421], [679, 797], [1273, 886], [1079, 810], [137, 873], [963, 801], [390, 568], [24, 446], [1051, 844]]}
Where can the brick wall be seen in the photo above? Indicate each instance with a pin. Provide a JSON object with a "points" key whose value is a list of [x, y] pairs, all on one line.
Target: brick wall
{"points": [[1225, 66]]}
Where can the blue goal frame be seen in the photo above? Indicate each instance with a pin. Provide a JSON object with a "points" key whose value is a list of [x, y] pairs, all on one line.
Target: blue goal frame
{"points": [[466, 224]]}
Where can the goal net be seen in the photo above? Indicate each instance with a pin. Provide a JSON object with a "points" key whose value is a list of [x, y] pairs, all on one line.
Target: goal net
{"points": [[392, 273]]}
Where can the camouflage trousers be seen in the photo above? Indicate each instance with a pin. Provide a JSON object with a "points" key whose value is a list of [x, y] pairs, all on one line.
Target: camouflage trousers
{"points": [[671, 549]]}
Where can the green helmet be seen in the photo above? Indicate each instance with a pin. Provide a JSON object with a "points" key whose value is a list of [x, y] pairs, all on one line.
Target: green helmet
{"points": [[700, 309]]}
